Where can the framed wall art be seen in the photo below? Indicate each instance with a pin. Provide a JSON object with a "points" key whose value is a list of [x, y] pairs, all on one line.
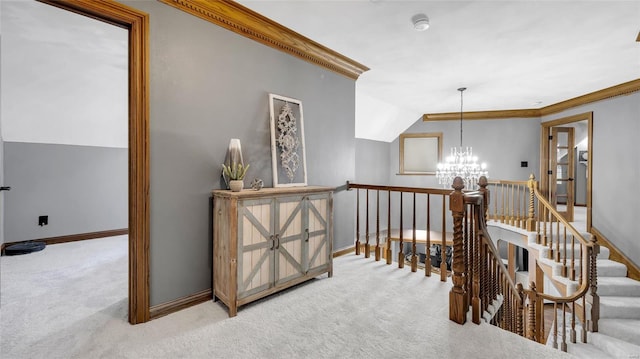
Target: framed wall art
{"points": [[420, 153], [287, 142]]}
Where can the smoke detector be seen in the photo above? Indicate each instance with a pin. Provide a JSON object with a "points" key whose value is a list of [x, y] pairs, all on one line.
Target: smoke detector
{"points": [[420, 22]]}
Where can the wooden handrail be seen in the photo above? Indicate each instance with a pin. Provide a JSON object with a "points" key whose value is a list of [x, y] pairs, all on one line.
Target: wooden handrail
{"points": [[399, 189]]}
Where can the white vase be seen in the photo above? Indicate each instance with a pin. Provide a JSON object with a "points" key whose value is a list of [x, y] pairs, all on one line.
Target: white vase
{"points": [[236, 185]]}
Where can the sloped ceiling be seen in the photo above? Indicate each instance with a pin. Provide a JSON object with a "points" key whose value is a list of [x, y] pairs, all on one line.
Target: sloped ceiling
{"points": [[64, 77], [509, 54]]}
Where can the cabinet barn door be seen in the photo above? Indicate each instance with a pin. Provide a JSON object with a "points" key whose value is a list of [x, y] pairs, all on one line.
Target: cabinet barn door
{"points": [[289, 241], [255, 246], [318, 237]]}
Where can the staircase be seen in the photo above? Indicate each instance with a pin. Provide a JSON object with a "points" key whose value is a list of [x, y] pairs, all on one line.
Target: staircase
{"points": [[618, 334]]}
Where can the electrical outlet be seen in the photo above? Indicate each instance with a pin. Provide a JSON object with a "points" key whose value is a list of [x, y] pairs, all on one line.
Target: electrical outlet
{"points": [[43, 220]]}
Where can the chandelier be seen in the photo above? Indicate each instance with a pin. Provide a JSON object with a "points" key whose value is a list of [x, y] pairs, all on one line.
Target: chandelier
{"points": [[461, 163]]}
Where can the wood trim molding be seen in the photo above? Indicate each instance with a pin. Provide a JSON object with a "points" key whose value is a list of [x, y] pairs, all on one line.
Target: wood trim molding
{"points": [[173, 306], [633, 271], [610, 92], [137, 23], [482, 115], [73, 237], [248, 23]]}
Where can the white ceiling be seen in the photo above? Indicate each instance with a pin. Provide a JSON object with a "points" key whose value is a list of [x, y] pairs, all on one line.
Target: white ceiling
{"points": [[509, 54]]}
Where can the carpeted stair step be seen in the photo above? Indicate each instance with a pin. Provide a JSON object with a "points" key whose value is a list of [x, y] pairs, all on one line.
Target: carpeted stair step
{"points": [[619, 307], [544, 251], [587, 350], [623, 329], [618, 286], [606, 268], [609, 268], [613, 346]]}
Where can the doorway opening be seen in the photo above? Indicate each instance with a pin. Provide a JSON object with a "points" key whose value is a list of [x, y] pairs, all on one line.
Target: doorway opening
{"points": [[137, 23], [566, 146]]}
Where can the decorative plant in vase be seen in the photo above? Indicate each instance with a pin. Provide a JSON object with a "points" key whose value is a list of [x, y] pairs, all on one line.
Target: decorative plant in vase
{"points": [[235, 173]]}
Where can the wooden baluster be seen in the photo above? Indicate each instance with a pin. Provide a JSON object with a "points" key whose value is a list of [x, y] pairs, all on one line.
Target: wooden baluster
{"points": [[581, 264], [377, 226], [504, 204], [388, 254], [563, 345], [512, 220], [484, 279], [544, 226], [585, 321], [520, 310], [457, 312], [564, 257], [358, 221], [414, 257], [367, 246], [572, 272], [555, 325], [558, 254], [496, 216], [427, 258], [476, 303], [401, 244], [518, 217], [594, 297], [573, 322], [551, 238], [530, 217], [467, 244], [443, 242], [532, 328]]}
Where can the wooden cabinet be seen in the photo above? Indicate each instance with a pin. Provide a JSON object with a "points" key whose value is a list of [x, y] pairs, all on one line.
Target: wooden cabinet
{"points": [[265, 241]]}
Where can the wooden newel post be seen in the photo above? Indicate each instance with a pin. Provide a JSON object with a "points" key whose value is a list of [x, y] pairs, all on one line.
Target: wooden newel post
{"points": [[457, 303], [531, 222], [483, 183]]}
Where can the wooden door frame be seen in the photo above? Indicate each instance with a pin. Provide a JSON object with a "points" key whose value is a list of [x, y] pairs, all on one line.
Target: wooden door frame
{"points": [[137, 23], [544, 155]]}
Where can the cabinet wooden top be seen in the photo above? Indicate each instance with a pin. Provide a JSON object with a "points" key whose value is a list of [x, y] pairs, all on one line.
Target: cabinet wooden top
{"points": [[265, 192]]}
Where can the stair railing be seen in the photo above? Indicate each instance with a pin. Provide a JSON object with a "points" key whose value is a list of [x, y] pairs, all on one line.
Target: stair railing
{"points": [[377, 234], [482, 282]]}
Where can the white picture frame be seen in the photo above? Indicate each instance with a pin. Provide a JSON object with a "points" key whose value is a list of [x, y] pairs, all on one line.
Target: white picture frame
{"points": [[288, 158]]}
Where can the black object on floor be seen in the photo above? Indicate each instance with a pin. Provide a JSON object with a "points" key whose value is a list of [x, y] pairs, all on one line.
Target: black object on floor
{"points": [[23, 248]]}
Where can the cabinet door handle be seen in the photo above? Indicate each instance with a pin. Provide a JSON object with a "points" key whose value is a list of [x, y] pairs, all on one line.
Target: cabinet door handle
{"points": [[277, 241], [273, 242], [306, 235]]}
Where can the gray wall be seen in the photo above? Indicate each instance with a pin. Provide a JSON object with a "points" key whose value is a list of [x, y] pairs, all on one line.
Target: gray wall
{"points": [[372, 162], [616, 169], [1, 184], [81, 188], [208, 85], [502, 144]]}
